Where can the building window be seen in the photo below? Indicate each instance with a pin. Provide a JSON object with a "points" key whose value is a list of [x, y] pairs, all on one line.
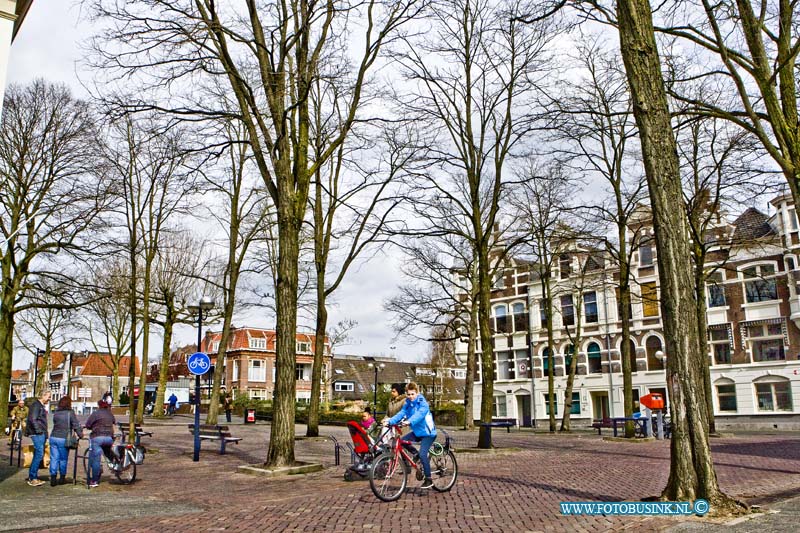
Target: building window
{"points": [[631, 355], [546, 360], [458, 374], [257, 370], [215, 346], [257, 394], [547, 404], [304, 347], [499, 281], [726, 395], [652, 346], [766, 342], [595, 361], [568, 351], [300, 373], [760, 284], [505, 364], [576, 404], [645, 254], [590, 307], [521, 361], [720, 345], [520, 318], [343, 386], [258, 343], [499, 406], [649, 299], [793, 219], [774, 395], [567, 310], [501, 319], [236, 370], [716, 291], [543, 312], [619, 306], [565, 266]]}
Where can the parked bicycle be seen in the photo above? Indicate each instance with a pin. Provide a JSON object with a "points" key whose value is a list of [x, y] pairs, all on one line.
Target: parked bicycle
{"points": [[389, 474], [121, 458]]}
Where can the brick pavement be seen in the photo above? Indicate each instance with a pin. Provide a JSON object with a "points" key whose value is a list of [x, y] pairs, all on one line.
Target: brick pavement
{"points": [[516, 491]]}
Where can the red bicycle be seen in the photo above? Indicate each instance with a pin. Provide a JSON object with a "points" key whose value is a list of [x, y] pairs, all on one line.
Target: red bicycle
{"points": [[388, 477]]}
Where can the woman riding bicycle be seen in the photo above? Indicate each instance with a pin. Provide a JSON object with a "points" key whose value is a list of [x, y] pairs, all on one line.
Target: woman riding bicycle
{"points": [[419, 418]]}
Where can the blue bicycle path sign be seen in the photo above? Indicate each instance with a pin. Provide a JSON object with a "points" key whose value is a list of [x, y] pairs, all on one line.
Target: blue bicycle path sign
{"points": [[199, 363]]}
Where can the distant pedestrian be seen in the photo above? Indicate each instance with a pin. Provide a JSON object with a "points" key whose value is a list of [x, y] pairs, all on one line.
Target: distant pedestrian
{"points": [[108, 398], [101, 423], [19, 414], [173, 404], [65, 424], [37, 431], [227, 405]]}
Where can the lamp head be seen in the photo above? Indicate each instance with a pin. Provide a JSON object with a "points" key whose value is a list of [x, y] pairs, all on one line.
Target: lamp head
{"points": [[661, 356], [206, 303]]}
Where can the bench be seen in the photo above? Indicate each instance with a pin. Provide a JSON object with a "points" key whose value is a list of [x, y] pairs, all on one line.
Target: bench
{"points": [[602, 423], [140, 432], [214, 432], [507, 423]]}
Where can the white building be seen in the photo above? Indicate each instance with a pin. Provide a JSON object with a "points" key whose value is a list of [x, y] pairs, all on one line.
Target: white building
{"points": [[12, 13]]}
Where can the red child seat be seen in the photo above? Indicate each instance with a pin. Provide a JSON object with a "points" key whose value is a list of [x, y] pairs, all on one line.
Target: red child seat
{"points": [[361, 440]]}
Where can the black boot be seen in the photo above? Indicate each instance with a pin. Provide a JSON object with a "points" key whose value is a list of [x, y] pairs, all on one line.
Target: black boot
{"points": [[428, 483], [53, 480], [62, 480]]}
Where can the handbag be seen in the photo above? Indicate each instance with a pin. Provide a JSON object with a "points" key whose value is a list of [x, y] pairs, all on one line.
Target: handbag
{"points": [[71, 442]]}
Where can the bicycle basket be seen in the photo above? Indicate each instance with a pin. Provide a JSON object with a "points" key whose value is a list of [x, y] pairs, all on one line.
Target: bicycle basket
{"points": [[139, 454]]}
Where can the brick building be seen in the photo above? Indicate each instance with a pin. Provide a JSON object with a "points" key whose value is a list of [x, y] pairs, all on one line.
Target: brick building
{"points": [[753, 315], [250, 362]]}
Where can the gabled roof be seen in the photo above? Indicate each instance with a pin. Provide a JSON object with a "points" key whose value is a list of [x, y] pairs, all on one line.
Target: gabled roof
{"points": [[19, 375], [240, 339], [96, 364], [751, 225]]}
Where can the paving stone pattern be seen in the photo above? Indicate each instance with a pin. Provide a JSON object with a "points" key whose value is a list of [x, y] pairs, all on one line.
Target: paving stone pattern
{"points": [[505, 491]]}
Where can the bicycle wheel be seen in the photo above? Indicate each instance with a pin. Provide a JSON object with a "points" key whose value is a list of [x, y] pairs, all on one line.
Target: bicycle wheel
{"points": [[388, 477], [126, 474], [444, 471]]}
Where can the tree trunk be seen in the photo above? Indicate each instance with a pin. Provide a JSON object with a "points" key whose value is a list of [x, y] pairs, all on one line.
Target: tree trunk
{"points": [[319, 353], [222, 351], [692, 472], [115, 382], [702, 335], [163, 371], [487, 349], [145, 341], [472, 363], [565, 416], [281, 442], [6, 352], [625, 347], [548, 301]]}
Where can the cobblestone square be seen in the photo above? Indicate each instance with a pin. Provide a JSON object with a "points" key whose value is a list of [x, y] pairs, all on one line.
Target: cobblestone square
{"points": [[517, 489]]}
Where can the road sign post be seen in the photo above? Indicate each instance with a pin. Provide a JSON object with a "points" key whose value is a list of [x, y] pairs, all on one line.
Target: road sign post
{"points": [[198, 363]]}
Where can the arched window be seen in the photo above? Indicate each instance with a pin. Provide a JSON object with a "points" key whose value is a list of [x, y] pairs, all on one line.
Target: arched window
{"points": [[726, 395], [546, 360], [594, 358], [501, 319], [569, 350], [773, 393], [520, 317], [652, 346]]}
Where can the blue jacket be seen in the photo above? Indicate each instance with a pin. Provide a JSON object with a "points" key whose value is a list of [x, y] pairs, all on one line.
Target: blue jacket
{"points": [[419, 417]]}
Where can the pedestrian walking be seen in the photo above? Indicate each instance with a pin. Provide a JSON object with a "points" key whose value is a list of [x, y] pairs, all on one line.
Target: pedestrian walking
{"points": [[65, 428], [101, 423], [418, 417], [19, 414], [227, 404], [37, 430], [173, 404]]}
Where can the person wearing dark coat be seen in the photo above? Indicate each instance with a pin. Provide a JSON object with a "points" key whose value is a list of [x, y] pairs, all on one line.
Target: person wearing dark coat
{"points": [[36, 429], [65, 424]]}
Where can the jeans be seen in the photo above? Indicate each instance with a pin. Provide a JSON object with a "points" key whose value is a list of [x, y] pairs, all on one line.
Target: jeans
{"points": [[59, 455], [424, 448], [38, 455], [228, 415], [95, 455]]}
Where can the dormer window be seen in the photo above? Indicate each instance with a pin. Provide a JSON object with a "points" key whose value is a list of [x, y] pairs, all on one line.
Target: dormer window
{"points": [[304, 347], [258, 343], [565, 266], [215, 346]]}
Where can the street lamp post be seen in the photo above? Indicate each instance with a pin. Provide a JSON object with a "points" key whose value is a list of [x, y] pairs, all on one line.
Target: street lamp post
{"points": [[376, 367], [36, 369], [205, 304]]}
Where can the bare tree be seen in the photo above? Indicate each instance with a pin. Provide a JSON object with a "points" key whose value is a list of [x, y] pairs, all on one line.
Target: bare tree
{"points": [[692, 472], [268, 57], [51, 199], [472, 72]]}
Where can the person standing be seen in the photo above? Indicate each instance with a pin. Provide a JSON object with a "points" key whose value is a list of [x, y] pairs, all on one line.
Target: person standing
{"points": [[19, 414], [419, 418], [65, 424], [227, 404], [101, 423], [396, 400], [173, 404], [37, 431]]}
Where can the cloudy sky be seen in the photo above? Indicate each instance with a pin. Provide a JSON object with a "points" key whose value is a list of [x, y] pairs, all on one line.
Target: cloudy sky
{"points": [[49, 46]]}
